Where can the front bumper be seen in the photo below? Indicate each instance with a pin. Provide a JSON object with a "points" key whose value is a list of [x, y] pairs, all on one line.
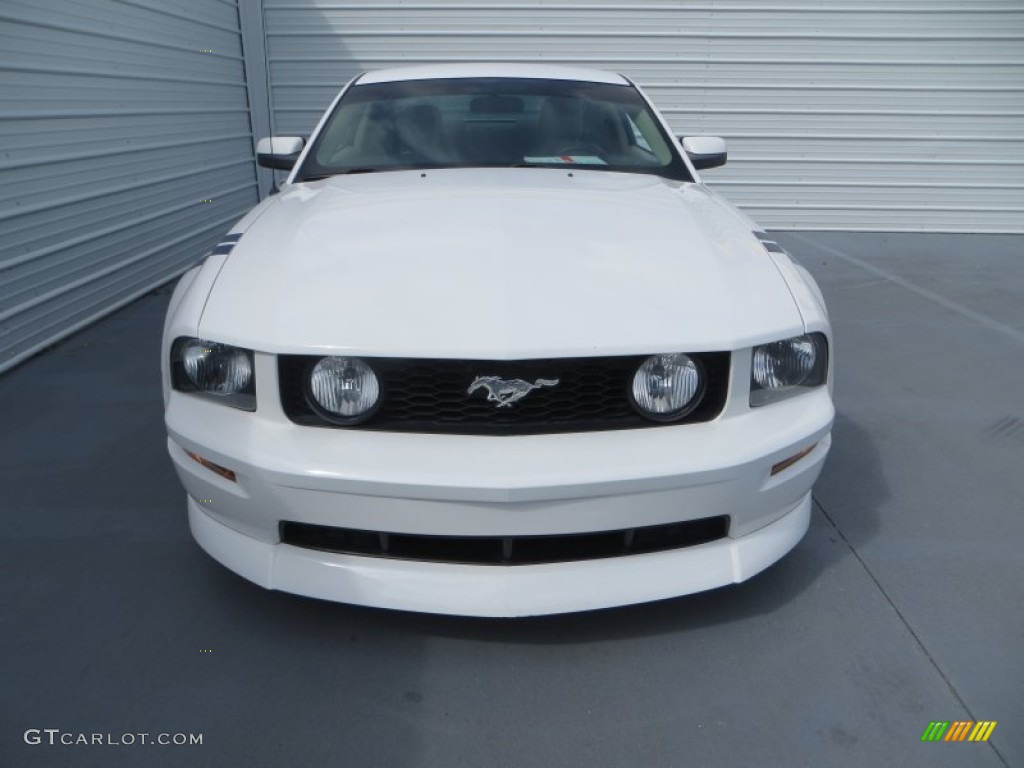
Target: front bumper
{"points": [[481, 590], [459, 485]]}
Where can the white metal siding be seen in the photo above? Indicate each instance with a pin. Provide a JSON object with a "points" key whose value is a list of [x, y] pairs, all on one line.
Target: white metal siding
{"points": [[863, 114], [119, 119]]}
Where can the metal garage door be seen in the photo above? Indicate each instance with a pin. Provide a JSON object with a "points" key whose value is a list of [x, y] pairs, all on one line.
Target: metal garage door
{"points": [[869, 114], [126, 151]]}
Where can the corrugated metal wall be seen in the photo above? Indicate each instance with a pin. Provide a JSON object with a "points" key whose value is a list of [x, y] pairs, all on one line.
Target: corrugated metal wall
{"points": [[126, 151], [861, 114]]}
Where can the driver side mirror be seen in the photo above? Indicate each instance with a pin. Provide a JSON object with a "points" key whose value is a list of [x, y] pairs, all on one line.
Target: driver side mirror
{"points": [[279, 152], [704, 151]]}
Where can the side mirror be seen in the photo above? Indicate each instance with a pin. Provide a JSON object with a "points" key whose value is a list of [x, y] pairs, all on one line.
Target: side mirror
{"points": [[704, 151], [279, 152]]}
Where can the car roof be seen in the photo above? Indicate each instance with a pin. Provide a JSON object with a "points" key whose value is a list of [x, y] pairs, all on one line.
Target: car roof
{"points": [[452, 71]]}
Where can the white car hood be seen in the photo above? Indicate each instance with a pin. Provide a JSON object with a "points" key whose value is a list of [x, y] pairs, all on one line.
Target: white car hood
{"points": [[498, 264]]}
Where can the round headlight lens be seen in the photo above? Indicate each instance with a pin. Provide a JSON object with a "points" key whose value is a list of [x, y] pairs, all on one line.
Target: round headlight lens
{"points": [[219, 369], [784, 364], [666, 387], [345, 387]]}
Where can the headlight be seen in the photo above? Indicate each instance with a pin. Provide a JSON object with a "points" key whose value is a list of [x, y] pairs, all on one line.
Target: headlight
{"points": [[785, 368], [667, 387], [343, 389], [220, 370]]}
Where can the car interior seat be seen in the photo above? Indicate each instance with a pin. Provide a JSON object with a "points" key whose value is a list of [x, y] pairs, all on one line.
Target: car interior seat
{"points": [[421, 135], [559, 127]]}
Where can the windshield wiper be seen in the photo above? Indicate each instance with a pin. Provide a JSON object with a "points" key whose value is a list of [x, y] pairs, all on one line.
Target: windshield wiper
{"points": [[320, 177]]}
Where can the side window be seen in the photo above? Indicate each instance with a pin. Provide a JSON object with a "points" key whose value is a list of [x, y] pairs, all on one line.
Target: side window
{"points": [[649, 138], [638, 137], [340, 134]]}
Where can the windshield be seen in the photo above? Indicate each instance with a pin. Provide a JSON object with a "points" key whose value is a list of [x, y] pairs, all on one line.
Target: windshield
{"points": [[492, 122]]}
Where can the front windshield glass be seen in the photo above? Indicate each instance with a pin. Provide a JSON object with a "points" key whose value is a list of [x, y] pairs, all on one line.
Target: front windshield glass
{"points": [[492, 122]]}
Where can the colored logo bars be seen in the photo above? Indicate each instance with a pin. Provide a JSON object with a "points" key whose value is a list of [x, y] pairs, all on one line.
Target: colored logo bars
{"points": [[959, 730]]}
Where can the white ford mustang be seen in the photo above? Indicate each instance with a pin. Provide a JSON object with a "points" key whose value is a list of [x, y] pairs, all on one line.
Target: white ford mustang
{"points": [[495, 350]]}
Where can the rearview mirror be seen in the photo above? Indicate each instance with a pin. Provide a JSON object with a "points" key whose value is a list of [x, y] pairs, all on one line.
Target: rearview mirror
{"points": [[279, 152], [704, 151]]}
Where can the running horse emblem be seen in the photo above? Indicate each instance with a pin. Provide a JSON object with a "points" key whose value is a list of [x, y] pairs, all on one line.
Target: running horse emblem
{"points": [[504, 392]]}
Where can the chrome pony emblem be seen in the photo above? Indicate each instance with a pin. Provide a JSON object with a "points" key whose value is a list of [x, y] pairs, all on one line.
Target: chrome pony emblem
{"points": [[504, 392]]}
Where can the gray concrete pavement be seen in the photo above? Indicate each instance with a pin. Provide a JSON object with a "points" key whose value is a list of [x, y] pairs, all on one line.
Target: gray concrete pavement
{"points": [[901, 606]]}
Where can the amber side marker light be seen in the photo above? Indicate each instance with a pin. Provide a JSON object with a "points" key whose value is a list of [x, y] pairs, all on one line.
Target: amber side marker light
{"points": [[227, 474], [787, 463]]}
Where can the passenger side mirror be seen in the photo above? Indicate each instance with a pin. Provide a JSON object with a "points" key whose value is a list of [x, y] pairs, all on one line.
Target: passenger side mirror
{"points": [[279, 152], [704, 151]]}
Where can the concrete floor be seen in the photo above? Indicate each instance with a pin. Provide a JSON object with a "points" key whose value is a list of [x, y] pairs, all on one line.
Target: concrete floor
{"points": [[901, 606]]}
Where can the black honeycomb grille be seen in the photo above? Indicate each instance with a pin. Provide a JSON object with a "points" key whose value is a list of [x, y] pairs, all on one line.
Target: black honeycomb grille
{"points": [[431, 395]]}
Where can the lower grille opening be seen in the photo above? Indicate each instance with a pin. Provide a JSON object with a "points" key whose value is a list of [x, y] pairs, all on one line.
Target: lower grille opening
{"points": [[506, 550]]}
